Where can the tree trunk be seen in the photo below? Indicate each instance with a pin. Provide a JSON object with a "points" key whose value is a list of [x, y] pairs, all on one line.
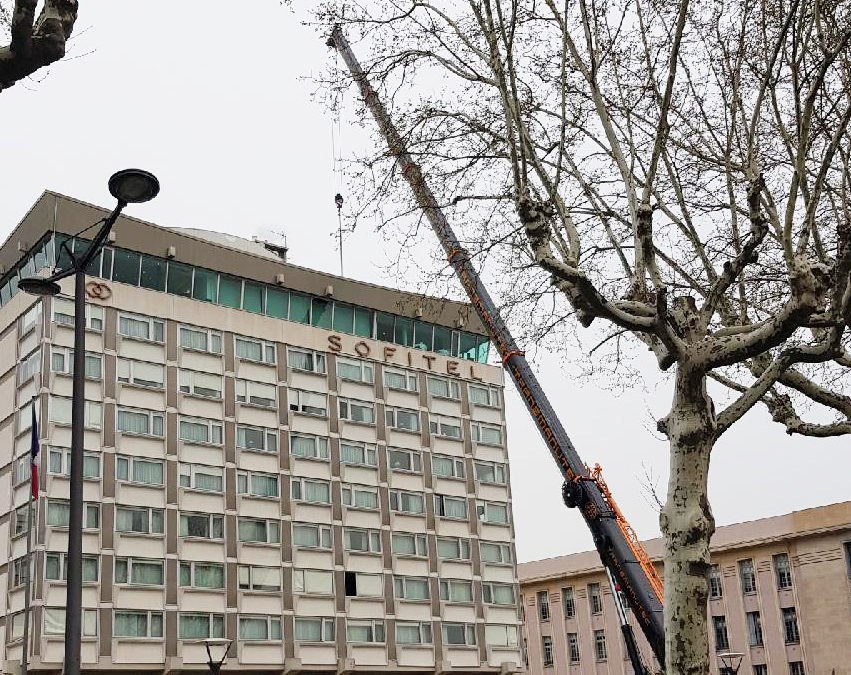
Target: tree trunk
{"points": [[687, 524]]}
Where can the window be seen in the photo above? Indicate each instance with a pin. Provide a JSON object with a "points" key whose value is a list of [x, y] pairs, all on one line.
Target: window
{"points": [[139, 520], [257, 484], [62, 361], [358, 412], [140, 373], [411, 588], [716, 590], [202, 525], [447, 427], [22, 470], [59, 463], [256, 393], [782, 571], [60, 412], [492, 512], [14, 626], [54, 621], [254, 578], [141, 327], [484, 396], [30, 366], [456, 590], [796, 668], [364, 631], [402, 420], [760, 669], [261, 351], [28, 320], [198, 430], [790, 626], [409, 544], [363, 454], [63, 314], [355, 370], [754, 629], [543, 605], [568, 603], [595, 597], [547, 651], [139, 470], [307, 490], [308, 402], [194, 626], [201, 477], [412, 633], [500, 635], [256, 438], [137, 624], [600, 652], [498, 554], [259, 627], [200, 339], [21, 519], [360, 496], [259, 531], [447, 467], [319, 582], [311, 536], [459, 633], [140, 422], [59, 512], [309, 447], [139, 571], [722, 643], [206, 385], [314, 630], [407, 502], [401, 380], [847, 547], [306, 361], [362, 585], [573, 647], [491, 472], [498, 594], [202, 575], [362, 541], [19, 572], [486, 434], [399, 459], [453, 548], [747, 576], [450, 507], [442, 387]]}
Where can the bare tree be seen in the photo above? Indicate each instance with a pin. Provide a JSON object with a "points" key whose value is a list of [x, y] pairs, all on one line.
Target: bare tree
{"points": [[676, 173], [35, 42]]}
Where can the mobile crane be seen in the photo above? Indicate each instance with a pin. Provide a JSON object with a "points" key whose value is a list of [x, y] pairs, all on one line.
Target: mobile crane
{"points": [[627, 564]]}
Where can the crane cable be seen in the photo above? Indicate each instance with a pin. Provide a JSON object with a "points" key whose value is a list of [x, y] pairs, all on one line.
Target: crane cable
{"points": [[336, 165]]}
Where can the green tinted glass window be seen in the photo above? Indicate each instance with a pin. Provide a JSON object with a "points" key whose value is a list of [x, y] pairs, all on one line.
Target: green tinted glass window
{"points": [[179, 279], [442, 340], [363, 322], [468, 347], [252, 297], [384, 326], [125, 267], [5, 293], [106, 265], [277, 302], [484, 347], [41, 256], [153, 273], [454, 343], [230, 291], [404, 331], [93, 268], [204, 285], [321, 315], [344, 318], [423, 335], [299, 308], [62, 245]]}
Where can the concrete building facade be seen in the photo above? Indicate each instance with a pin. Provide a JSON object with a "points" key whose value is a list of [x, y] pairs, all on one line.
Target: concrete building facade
{"points": [[308, 465], [780, 594]]}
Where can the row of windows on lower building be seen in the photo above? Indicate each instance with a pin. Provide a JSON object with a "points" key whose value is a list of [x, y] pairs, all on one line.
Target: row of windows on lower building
{"points": [[200, 626], [601, 652], [791, 633]]}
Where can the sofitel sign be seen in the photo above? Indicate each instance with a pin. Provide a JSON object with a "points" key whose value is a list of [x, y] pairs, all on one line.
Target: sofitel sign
{"points": [[398, 356]]}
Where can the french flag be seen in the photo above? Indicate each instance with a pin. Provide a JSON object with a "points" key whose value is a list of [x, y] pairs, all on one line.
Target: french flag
{"points": [[34, 449]]}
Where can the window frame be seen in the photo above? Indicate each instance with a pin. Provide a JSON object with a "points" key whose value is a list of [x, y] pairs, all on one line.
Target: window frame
{"points": [[352, 488], [152, 322], [402, 496], [321, 532], [301, 481], [345, 406], [453, 388], [319, 360], [272, 527], [211, 526], [370, 453], [306, 589], [132, 380], [131, 462], [415, 457], [248, 478], [246, 385], [131, 562], [267, 347], [212, 426], [437, 424], [152, 416], [295, 404], [320, 445], [492, 392], [151, 532], [371, 537], [192, 467], [191, 565], [391, 419], [187, 386], [149, 617], [411, 376], [268, 434], [210, 337], [252, 585], [363, 365]]}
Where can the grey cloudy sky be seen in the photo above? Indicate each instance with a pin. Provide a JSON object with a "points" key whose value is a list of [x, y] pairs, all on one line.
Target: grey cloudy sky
{"points": [[215, 98]]}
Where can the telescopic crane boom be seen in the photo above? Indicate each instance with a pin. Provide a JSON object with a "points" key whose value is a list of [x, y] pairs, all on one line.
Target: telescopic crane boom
{"points": [[620, 550]]}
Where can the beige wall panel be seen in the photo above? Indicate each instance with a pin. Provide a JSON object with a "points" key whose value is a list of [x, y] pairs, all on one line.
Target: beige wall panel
{"points": [[359, 608], [256, 507], [24, 394], [443, 406], [494, 493], [402, 439], [202, 454], [192, 406], [503, 574], [497, 657], [310, 559], [133, 651], [259, 603], [192, 549], [209, 363], [508, 614], [200, 502], [401, 522], [249, 460], [140, 350], [63, 336], [460, 613], [269, 556], [134, 597], [452, 528], [357, 390], [298, 379], [261, 654], [358, 475], [448, 486], [359, 518], [191, 600], [316, 654], [363, 562], [445, 446], [309, 513], [306, 605], [140, 397], [309, 424], [402, 399], [421, 656], [129, 545], [258, 417], [258, 372], [489, 453], [8, 351], [369, 655], [128, 494], [456, 570], [410, 567], [366, 433], [481, 413], [495, 532], [407, 481], [307, 468]]}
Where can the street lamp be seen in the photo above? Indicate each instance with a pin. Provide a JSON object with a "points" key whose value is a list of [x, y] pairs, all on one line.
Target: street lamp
{"points": [[130, 186], [730, 662], [215, 647]]}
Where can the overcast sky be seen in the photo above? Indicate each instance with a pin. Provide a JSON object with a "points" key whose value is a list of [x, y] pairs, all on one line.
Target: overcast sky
{"points": [[215, 98]]}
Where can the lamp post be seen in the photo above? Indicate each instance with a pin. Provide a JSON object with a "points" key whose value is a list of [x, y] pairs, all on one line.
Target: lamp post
{"points": [[730, 662], [130, 186], [216, 646]]}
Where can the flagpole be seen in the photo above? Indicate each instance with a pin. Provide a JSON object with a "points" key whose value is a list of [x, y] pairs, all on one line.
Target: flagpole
{"points": [[34, 459]]}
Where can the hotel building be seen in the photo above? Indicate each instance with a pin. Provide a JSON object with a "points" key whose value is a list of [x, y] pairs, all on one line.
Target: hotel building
{"points": [[311, 466], [779, 594]]}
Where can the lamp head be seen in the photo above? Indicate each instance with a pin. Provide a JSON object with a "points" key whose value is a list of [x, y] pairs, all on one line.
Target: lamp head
{"points": [[217, 649], [732, 661], [39, 286], [133, 186]]}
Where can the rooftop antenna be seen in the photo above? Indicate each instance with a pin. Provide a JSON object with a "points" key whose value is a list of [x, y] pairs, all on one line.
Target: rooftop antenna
{"points": [[338, 200]]}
